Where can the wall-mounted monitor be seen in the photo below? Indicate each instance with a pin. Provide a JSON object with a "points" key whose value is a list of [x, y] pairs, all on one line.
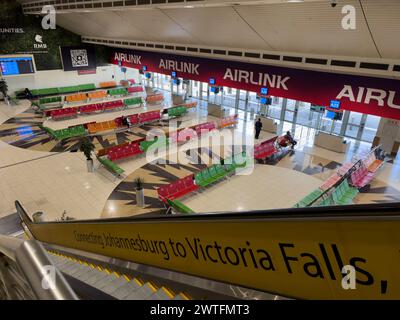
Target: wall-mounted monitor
{"points": [[212, 81], [264, 91], [144, 68], [173, 74], [330, 114], [263, 100], [335, 104], [15, 65]]}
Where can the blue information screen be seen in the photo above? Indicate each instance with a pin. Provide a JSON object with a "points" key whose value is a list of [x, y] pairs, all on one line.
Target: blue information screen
{"points": [[263, 100], [212, 81], [11, 66], [330, 114], [173, 74], [144, 68], [264, 91], [335, 104]]}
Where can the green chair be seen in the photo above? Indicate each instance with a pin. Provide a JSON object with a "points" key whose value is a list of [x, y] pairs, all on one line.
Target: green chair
{"points": [[309, 199], [179, 206], [111, 166]]}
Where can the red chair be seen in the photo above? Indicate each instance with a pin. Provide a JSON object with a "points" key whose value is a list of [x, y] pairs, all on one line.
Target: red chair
{"points": [[119, 122], [133, 119], [135, 89]]}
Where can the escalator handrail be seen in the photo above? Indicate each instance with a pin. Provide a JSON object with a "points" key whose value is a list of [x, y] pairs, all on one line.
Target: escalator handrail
{"points": [[34, 263], [359, 212]]}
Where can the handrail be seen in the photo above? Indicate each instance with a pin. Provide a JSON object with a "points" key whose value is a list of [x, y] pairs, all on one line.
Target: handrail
{"points": [[345, 175], [44, 278]]}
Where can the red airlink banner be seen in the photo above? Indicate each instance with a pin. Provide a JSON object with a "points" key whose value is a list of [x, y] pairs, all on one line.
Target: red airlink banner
{"points": [[370, 95]]}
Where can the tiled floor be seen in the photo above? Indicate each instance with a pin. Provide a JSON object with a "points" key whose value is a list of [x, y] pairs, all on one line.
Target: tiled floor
{"points": [[44, 176]]}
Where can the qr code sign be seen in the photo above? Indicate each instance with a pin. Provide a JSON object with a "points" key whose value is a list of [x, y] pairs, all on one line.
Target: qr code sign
{"points": [[79, 58]]}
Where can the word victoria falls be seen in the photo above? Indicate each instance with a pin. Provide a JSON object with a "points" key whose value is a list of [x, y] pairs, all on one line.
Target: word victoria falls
{"points": [[281, 257]]}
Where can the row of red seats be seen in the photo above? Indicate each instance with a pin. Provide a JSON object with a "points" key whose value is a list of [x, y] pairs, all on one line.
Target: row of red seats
{"points": [[177, 188], [89, 108], [135, 89], [120, 152], [64, 113], [361, 177], [265, 149], [149, 116], [204, 127], [113, 104]]}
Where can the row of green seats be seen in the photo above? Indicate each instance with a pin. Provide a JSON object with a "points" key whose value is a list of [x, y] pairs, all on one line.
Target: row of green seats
{"points": [[309, 199], [76, 131], [176, 111], [111, 166], [50, 100], [146, 145], [118, 92], [179, 206], [344, 194], [44, 92], [238, 160], [63, 90], [210, 175], [132, 101], [48, 130]]}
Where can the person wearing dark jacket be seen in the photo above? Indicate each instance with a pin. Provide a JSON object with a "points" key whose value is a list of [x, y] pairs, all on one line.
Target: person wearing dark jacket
{"points": [[258, 127], [289, 137]]}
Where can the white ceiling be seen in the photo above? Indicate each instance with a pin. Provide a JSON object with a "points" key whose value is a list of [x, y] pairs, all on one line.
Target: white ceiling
{"points": [[310, 27]]}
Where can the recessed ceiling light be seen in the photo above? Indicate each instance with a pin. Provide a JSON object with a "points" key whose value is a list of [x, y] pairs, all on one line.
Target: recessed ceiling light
{"points": [[188, 7]]}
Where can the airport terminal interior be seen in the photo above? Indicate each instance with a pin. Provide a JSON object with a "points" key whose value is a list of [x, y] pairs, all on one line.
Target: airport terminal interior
{"points": [[195, 150]]}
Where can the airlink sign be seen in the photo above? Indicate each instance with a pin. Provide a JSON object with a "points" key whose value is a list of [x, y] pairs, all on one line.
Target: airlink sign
{"points": [[300, 258], [376, 96]]}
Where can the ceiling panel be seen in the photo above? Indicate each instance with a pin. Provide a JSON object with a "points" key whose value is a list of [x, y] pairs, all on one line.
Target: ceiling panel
{"points": [[218, 27], [158, 25], [309, 28], [384, 20]]}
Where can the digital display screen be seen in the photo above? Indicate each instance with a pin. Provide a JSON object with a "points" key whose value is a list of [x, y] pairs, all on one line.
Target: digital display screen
{"points": [[264, 91], [148, 75], [330, 114], [263, 100], [212, 89], [175, 81], [173, 74], [335, 104], [144, 68], [11, 66], [212, 81]]}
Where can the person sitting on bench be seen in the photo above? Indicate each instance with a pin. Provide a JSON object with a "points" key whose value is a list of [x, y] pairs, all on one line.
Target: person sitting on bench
{"points": [[28, 94], [289, 138]]}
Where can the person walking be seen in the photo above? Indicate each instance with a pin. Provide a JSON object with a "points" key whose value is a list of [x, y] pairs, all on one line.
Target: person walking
{"points": [[258, 127]]}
